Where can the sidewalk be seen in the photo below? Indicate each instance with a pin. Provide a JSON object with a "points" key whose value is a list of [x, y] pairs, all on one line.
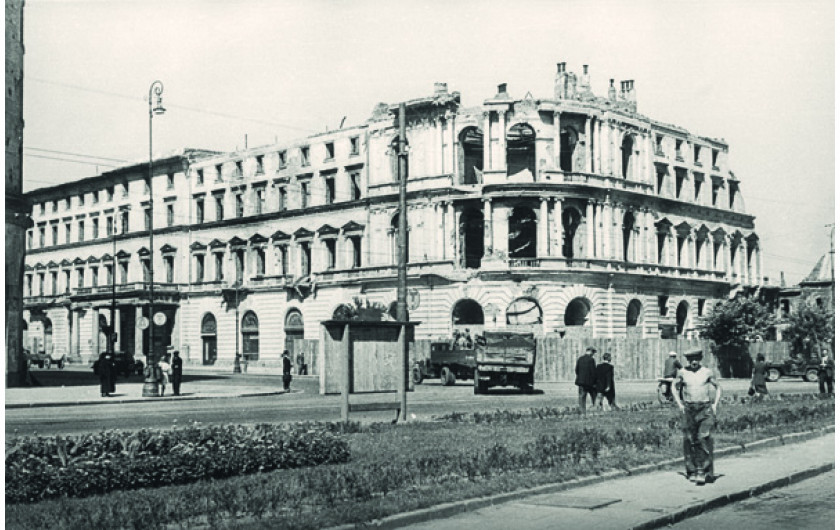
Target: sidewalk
{"points": [[646, 500], [199, 383]]}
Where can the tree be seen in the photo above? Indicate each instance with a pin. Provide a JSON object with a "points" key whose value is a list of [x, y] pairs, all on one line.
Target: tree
{"points": [[807, 327], [361, 309], [732, 325]]}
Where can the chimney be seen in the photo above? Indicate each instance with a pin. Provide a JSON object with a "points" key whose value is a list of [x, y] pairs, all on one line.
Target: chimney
{"points": [[502, 90], [782, 278], [611, 91], [584, 79], [441, 89], [561, 68], [631, 90]]}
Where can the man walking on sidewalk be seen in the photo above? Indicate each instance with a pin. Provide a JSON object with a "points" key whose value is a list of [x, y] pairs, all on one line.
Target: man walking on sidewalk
{"points": [[699, 416], [585, 378]]}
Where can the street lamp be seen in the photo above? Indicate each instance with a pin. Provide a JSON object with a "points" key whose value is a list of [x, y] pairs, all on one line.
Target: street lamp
{"points": [[150, 385]]}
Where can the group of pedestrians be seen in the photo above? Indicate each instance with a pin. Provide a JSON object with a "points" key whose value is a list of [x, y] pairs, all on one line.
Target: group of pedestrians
{"points": [[595, 381], [167, 370]]}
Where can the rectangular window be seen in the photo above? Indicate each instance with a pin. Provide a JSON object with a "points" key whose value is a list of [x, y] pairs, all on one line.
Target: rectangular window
{"points": [[81, 230], [55, 206], [304, 156], [55, 234], [305, 259], [146, 187], [220, 269], [260, 167], [219, 175], [240, 205], [259, 203], [29, 239], [123, 272], [697, 151], [43, 208], [281, 199], [304, 194], [125, 189], [199, 176], [357, 251], [67, 281], [80, 278], [259, 265], [199, 268], [147, 273], [715, 154], [701, 305], [28, 285], [169, 265], [330, 150], [659, 145], [96, 196], [281, 159], [41, 287], [68, 230], [284, 259], [67, 204], [678, 150], [330, 190], [109, 274], [54, 283], [199, 211], [95, 234], [170, 214], [94, 276], [109, 193], [238, 169], [81, 199], [42, 233], [147, 218], [355, 186], [109, 225], [220, 207], [124, 222], [239, 264], [354, 146], [170, 181], [329, 244]]}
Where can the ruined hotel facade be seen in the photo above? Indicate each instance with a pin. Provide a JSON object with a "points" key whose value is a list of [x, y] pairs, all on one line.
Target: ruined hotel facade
{"points": [[571, 214]]}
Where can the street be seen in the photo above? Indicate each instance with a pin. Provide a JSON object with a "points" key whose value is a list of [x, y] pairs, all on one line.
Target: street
{"points": [[807, 505], [304, 403]]}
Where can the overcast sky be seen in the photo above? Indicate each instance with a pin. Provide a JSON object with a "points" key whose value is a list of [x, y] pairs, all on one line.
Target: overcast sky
{"points": [[758, 73]]}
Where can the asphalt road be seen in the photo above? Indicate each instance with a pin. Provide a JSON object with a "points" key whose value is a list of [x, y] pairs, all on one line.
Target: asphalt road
{"points": [[806, 505], [428, 400]]}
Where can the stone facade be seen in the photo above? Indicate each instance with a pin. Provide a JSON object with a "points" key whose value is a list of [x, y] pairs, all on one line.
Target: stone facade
{"points": [[573, 214]]}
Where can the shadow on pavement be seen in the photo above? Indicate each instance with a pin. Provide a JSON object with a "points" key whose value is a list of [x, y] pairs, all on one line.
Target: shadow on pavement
{"points": [[58, 378]]}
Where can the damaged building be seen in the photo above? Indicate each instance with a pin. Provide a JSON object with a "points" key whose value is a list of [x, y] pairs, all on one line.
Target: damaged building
{"points": [[571, 213]]}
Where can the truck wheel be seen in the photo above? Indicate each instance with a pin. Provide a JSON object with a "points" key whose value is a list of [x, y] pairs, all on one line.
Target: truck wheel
{"points": [[416, 375], [773, 375], [47, 363], [61, 364], [447, 378], [811, 375]]}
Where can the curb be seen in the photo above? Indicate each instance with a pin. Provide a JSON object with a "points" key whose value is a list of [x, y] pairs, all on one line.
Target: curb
{"points": [[141, 400], [450, 509]]}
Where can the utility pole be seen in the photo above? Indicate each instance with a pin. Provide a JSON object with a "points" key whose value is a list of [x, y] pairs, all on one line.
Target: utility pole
{"points": [[832, 264], [402, 259]]}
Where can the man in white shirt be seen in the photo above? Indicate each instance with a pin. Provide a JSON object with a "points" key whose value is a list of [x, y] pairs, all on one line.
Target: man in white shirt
{"points": [[699, 416]]}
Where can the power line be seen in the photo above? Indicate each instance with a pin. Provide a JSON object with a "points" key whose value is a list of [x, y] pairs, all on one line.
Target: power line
{"points": [[73, 154], [94, 163]]}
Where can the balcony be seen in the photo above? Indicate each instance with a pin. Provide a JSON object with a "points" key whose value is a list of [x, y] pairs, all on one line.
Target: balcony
{"points": [[601, 181]]}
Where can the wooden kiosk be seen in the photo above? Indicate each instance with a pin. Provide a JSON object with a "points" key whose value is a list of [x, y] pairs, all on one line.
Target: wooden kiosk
{"points": [[366, 357]]}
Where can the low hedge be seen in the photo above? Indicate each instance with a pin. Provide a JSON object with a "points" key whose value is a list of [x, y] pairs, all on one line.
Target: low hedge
{"points": [[38, 467]]}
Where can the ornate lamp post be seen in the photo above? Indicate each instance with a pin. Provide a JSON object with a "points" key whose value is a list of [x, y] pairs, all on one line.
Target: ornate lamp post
{"points": [[150, 385]]}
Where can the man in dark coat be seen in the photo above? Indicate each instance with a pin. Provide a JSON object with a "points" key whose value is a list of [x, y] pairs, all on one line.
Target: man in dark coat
{"points": [[107, 374], [177, 367], [287, 370], [826, 373], [605, 382], [585, 378]]}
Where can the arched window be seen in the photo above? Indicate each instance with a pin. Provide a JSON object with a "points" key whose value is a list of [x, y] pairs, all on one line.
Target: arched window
{"points": [[628, 230], [568, 142], [634, 313], [628, 158], [208, 339], [572, 241], [471, 155], [467, 314], [524, 312], [682, 317], [251, 336], [522, 233], [521, 153], [293, 329], [577, 312], [471, 232]]}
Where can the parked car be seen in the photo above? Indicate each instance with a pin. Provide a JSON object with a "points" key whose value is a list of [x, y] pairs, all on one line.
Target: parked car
{"points": [[808, 370], [124, 364], [43, 360]]}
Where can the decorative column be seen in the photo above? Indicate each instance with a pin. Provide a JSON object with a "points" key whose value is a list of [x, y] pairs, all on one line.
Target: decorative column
{"points": [[596, 146], [745, 267], [502, 158], [607, 222], [588, 148], [488, 226], [727, 257], [488, 156], [452, 232], [590, 229], [440, 214], [453, 141], [558, 227], [557, 139], [648, 176], [758, 264], [691, 240], [542, 229]]}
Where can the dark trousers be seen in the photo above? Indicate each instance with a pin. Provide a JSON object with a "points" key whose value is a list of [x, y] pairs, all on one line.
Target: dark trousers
{"points": [[826, 384], [698, 445], [287, 380], [176, 385], [583, 391], [610, 395]]}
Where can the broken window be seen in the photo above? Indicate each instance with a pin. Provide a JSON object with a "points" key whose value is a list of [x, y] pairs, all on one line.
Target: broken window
{"points": [[330, 148], [572, 241], [260, 167], [281, 159], [304, 156], [355, 186], [471, 155], [628, 157], [522, 233], [354, 146], [521, 153], [472, 238], [628, 230]]}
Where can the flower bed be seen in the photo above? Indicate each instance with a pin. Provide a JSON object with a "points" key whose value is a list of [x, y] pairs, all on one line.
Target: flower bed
{"points": [[38, 467]]}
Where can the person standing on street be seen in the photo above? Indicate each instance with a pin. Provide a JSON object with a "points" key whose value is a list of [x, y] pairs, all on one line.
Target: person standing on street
{"points": [[585, 378], [672, 365], [759, 379], [107, 375], [287, 370], [300, 363], [177, 371], [165, 369], [605, 382], [826, 373], [699, 417]]}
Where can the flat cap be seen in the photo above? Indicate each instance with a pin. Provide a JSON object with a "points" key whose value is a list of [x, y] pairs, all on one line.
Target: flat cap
{"points": [[694, 353]]}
